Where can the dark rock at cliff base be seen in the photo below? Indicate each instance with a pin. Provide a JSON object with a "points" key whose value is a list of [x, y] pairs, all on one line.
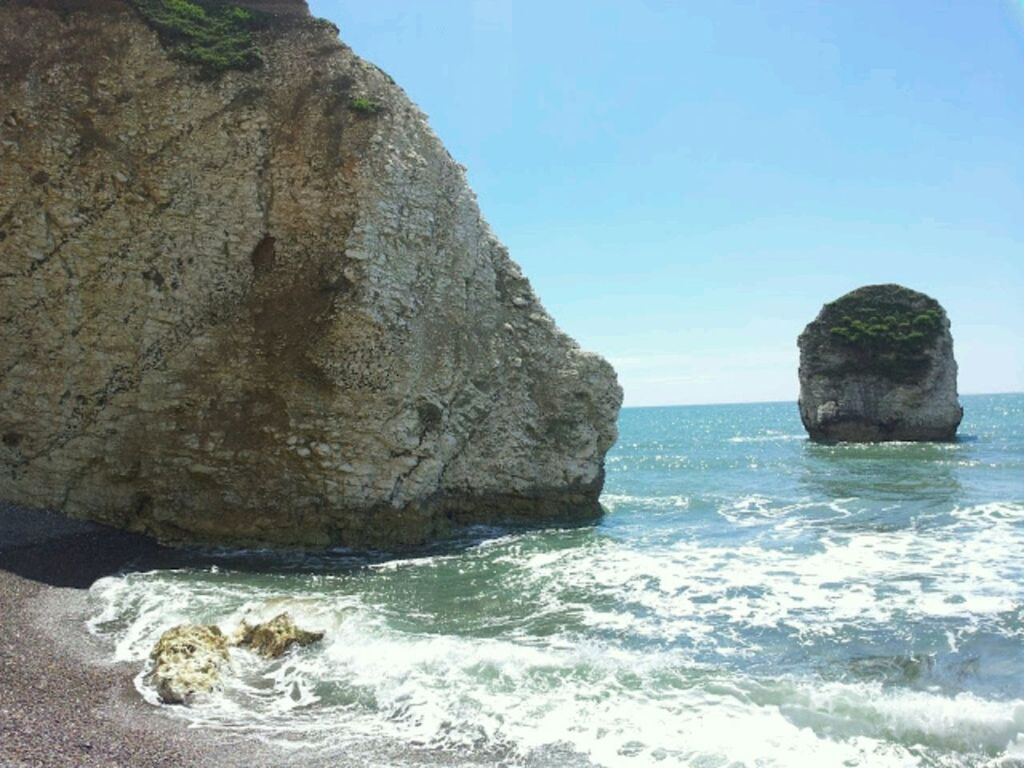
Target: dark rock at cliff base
{"points": [[247, 296], [877, 364]]}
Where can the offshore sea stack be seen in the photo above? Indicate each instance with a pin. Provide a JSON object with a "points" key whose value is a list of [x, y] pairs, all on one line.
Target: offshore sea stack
{"points": [[877, 364], [247, 297]]}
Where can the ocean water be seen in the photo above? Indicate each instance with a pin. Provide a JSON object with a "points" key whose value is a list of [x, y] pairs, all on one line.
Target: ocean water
{"points": [[750, 599]]}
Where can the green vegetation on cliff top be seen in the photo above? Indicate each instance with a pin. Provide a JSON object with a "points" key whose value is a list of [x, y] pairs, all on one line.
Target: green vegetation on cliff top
{"points": [[213, 34], [887, 328]]}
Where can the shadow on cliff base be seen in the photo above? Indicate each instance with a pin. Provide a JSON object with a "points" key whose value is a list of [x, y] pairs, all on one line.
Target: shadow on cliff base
{"points": [[55, 550], [52, 549]]}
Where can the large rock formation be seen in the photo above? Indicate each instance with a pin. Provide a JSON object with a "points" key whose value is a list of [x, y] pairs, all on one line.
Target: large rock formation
{"points": [[877, 364], [247, 296]]}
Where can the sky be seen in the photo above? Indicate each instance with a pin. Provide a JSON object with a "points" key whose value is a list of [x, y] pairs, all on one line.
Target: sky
{"points": [[686, 183]]}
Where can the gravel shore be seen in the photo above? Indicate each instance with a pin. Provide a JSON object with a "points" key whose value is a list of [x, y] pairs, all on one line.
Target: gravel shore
{"points": [[61, 702]]}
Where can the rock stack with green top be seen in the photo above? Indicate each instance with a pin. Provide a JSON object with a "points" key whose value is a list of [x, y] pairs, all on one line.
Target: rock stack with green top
{"points": [[877, 364]]}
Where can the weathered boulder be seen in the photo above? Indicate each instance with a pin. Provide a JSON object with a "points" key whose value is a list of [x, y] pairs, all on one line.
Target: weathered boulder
{"points": [[877, 364], [273, 638], [246, 296], [187, 661]]}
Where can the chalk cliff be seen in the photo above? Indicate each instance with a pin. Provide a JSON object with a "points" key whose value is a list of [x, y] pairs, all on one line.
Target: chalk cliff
{"points": [[877, 364], [246, 296]]}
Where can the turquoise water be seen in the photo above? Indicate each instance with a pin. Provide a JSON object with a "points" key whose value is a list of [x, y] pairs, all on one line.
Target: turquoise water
{"points": [[750, 599]]}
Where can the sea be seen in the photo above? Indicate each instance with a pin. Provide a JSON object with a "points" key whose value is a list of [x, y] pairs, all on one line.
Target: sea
{"points": [[750, 599]]}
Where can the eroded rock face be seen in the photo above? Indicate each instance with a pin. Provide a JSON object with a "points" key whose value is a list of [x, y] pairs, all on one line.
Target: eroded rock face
{"points": [[187, 661], [273, 638], [877, 364], [263, 307]]}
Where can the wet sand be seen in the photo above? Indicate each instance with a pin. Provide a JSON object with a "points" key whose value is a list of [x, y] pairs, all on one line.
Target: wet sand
{"points": [[62, 703]]}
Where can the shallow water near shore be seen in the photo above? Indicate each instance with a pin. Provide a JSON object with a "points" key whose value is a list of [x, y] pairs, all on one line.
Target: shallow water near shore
{"points": [[750, 599]]}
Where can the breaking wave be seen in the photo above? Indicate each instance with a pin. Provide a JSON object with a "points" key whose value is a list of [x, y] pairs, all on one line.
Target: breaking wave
{"points": [[815, 618]]}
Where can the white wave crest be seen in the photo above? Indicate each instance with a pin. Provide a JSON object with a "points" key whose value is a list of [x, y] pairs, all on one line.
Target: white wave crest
{"points": [[601, 650]]}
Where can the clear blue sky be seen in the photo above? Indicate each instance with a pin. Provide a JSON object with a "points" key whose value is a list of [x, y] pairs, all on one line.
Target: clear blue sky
{"points": [[685, 183]]}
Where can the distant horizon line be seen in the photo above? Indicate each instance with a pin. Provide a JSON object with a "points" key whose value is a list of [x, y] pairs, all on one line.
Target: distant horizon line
{"points": [[793, 402]]}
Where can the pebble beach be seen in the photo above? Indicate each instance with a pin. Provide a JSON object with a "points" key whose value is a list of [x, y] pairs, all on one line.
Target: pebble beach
{"points": [[61, 702]]}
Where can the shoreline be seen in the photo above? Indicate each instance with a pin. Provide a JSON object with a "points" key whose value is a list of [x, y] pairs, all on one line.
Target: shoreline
{"points": [[64, 703]]}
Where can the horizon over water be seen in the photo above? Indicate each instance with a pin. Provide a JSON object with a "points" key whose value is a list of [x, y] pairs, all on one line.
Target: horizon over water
{"points": [[750, 599], [780, 401]]}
